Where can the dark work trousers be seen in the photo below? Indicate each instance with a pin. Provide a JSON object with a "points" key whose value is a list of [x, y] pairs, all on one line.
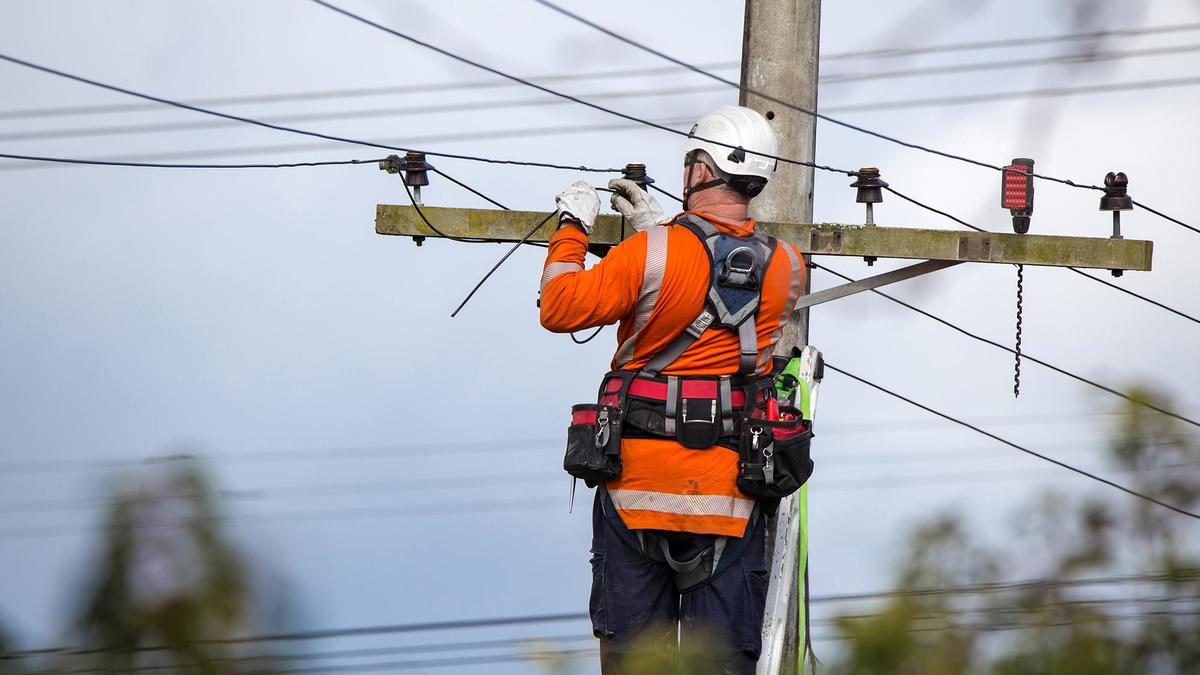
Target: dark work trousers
{"points": [[644, 623]]}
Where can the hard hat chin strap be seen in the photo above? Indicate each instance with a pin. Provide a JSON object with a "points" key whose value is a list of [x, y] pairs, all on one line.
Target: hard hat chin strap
{"points": [[688, 190]]}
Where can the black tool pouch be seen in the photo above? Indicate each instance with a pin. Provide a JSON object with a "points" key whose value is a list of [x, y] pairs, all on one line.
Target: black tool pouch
{"points": [[697, 422], [594, 443], [774, 456]]}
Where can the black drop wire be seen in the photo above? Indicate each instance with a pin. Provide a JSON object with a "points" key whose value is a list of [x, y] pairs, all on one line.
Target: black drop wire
{"points": [[501, 262], [466, 187], [652, 186], [421, 212], [294, 130], [1082, 472], [1017, 349]]}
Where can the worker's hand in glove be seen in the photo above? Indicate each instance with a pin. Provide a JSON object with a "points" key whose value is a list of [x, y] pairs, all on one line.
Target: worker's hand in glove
{"points": [[640, 209], [578, 202]]}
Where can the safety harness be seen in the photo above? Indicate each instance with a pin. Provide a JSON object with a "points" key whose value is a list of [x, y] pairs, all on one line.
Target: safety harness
{"points": [[700, 411]]}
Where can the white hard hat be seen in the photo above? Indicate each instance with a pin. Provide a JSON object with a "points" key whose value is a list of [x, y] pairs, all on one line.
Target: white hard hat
{"points": [[739, 141]]}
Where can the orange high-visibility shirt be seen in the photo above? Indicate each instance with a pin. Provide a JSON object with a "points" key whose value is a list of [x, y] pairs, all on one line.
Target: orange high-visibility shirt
{"points": [[655, 284]]}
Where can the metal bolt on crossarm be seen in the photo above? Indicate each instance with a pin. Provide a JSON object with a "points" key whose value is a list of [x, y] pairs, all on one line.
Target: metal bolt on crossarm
{"points": [[1116, 199], [870, 192]]}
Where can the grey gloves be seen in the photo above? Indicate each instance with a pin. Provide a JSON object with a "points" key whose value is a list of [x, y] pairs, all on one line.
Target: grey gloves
{"points": [[640, 209], [579, 201]]}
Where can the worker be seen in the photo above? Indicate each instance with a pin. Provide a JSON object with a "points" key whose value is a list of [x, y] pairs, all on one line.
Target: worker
{"points": [[678, 558]]}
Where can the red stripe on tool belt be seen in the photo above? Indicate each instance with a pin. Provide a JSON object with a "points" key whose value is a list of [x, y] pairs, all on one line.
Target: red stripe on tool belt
{"points": [[583, 417], [688, 388]]}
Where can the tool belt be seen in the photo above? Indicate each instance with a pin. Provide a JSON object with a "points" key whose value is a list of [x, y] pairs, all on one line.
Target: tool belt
{"points": [[700, 412]]}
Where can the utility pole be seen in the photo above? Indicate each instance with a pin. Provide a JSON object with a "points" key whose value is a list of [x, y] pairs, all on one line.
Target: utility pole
{"points": [[780, 58], [780, 52]]}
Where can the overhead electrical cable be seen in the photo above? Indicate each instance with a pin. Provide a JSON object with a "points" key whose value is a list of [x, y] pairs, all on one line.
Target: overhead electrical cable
{"points": [[554, 92], [162, 165], [1069, 467], [937, 101], [891, 52], [964, 223], [1023, 354], [303, 132], [817, 115], [1168, 576], [481, 135], [389, 112], [883, 53]]}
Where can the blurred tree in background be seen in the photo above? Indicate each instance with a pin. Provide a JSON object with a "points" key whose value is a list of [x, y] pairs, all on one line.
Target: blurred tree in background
{"points": [[167, 583], [1112, 582]]}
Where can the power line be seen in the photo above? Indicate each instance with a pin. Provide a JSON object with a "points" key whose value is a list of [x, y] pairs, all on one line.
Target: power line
{"points": [[986, 97], [890, 52], [1009, 443], [884, 53], [467, 106], [964, 223], [1078, 58], [303, 132], [1046, 92], [554, 92], [1022, 354], [487, 135], [160, 165], [389, 112], [1143, 298], [567, 617], [815, 114]]}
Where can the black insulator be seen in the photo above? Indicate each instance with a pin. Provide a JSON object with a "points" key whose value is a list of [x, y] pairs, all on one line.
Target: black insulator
{"points": [[415, 168], [870, 186], [637, 174], [1116, 193]]}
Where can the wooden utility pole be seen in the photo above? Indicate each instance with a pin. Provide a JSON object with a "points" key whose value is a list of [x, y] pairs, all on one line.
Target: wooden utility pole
{"points": [[780, 54]]}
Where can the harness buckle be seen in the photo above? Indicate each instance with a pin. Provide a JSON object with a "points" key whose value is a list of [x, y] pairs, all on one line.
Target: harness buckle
{"points": [[602, 428], [740, 268]]}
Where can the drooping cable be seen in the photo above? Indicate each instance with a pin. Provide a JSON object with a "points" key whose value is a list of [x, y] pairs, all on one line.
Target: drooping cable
{"points": [[554, 92], [1023, 354], [801, 109], [163, 165], [293, 130], [1034, 453], [501, 262]]}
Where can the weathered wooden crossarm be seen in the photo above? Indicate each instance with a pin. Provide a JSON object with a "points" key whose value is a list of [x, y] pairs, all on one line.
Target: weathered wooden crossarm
{"points": [[822, 239]]}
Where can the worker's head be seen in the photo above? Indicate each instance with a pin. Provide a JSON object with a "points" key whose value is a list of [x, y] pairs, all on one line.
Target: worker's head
{"points": [[730, 150]]}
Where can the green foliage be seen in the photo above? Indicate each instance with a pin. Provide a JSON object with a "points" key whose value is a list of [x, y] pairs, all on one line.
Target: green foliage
{"points": [[166, 577], [1062, 623]]}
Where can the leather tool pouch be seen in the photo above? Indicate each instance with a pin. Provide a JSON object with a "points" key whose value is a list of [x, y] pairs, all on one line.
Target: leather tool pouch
{"points": [[594, 443], [774, 455]]}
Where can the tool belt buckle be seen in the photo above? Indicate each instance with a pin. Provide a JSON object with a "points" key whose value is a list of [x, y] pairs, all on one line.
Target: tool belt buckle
{"points": [[712, 410]]}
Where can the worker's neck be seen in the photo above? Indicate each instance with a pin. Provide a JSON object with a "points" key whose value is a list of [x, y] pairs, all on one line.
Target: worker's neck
{"points": [[720, 205]]}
